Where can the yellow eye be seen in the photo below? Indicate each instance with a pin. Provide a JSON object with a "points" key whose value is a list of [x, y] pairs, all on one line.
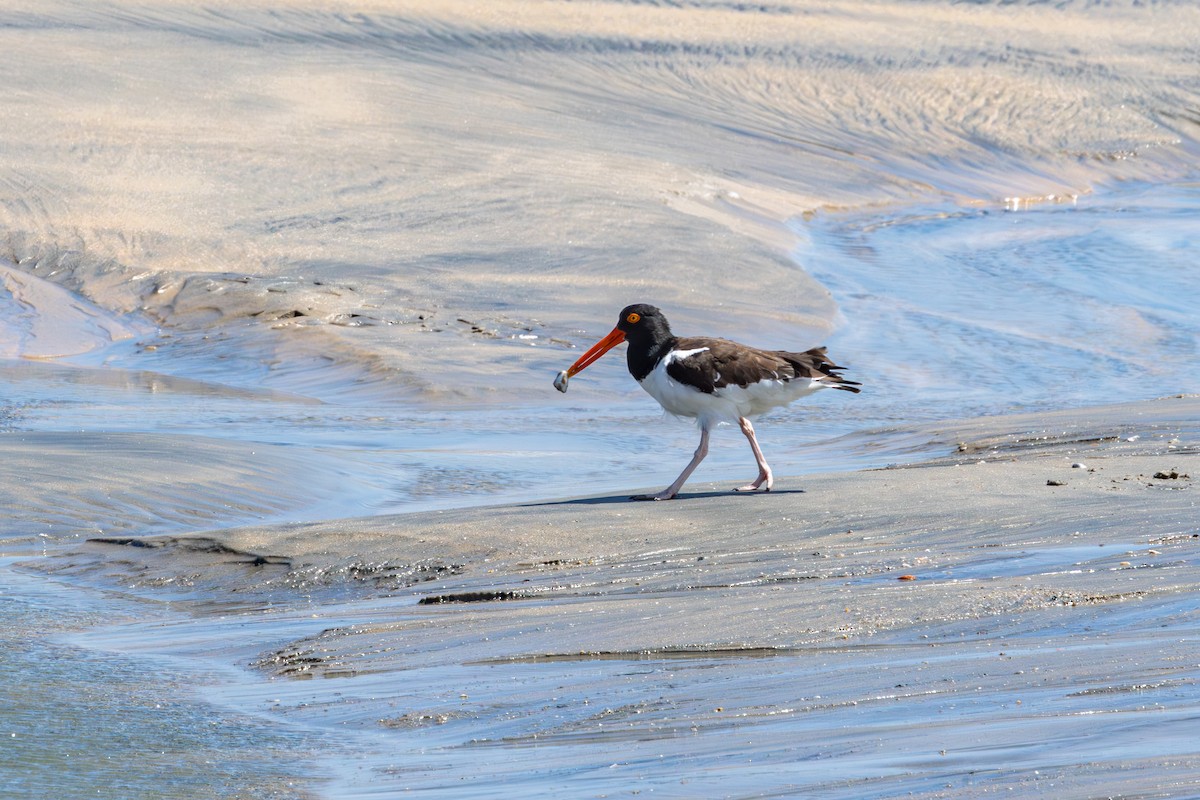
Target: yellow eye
{"points": [[634, 318]]}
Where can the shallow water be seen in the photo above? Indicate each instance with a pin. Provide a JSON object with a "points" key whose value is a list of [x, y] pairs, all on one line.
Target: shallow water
{"points": [[78, 720], [291, 263], [953, 311]]}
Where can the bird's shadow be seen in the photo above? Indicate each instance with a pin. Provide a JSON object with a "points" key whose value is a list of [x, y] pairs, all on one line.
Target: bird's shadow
{"points": [[682, 496]]}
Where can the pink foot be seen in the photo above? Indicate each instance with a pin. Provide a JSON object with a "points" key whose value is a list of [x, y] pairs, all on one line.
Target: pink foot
{"points": [[763, 477]]}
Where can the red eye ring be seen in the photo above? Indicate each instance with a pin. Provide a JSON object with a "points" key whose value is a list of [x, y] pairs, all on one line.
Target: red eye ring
{"points": [[634, 318]]}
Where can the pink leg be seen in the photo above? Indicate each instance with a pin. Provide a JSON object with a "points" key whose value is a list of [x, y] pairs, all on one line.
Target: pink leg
{"points": [[672, 490], [764, 471]]}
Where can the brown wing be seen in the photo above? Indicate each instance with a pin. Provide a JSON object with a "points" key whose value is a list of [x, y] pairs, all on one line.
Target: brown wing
{"points": [[724, 363]]}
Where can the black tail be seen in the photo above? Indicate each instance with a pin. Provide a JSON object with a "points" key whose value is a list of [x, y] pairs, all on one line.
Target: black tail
{"points": [[816, 365]]}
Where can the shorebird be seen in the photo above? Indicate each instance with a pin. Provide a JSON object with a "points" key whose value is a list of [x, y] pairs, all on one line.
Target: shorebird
{"points": [[711, 380]]}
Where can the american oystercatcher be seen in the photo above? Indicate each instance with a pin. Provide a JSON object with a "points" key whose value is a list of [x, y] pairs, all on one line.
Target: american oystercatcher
{"points": [[712, 380]]}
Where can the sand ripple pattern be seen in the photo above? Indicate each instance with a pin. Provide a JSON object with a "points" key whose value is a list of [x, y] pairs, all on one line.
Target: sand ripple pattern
{"points": [[519, 165], [96, 484]]}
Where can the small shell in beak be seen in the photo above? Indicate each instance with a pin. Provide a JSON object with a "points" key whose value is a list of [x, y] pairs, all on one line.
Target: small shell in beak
{"points": [[560, 381]]}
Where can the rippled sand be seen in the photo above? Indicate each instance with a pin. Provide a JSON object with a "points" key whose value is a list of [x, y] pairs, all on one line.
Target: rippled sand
{"points": [[416, 179]]}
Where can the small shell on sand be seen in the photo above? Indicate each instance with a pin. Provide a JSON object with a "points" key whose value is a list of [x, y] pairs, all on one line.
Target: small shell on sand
{"points": [[560, 381]]}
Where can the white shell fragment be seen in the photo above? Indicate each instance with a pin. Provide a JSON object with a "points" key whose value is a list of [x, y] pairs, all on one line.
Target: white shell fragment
{"points": [[560, 381]]}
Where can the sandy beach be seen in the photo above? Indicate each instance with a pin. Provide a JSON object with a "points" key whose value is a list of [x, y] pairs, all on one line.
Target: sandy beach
{"points": [[1017, 615], [289, 508]]}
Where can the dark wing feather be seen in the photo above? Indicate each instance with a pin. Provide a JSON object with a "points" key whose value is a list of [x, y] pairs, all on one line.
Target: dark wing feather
{"points": [[724, 363], [699, 370]]}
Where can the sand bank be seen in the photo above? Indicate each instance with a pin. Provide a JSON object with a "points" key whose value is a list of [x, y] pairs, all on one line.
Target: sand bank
{"points": [[396, 184], [40, 319], [998, 617]]}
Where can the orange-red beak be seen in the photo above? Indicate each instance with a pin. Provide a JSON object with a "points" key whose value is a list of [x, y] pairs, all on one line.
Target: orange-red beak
{"points": [[598, 349]]}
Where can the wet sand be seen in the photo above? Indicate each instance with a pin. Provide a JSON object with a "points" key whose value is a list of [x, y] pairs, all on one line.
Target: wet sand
{"points": [[996, 619]]}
